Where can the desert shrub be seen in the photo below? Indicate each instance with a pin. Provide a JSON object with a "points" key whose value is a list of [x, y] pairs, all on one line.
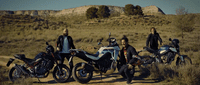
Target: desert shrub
{"points": [[162, 72], [184, 21], [129, 9], [103, 12], [186, 75], [91, 13], [138, 10]]}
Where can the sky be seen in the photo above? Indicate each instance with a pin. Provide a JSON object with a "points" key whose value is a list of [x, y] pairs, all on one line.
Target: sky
{"points": [[167, 6]]}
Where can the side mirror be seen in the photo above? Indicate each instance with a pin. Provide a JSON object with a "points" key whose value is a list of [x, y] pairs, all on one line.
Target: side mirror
{"points": [[99, 43], [109, 35], [170, 39], [47, 43]]}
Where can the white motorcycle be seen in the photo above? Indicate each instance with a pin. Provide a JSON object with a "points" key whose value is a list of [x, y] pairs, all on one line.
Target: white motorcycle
{"points": [[103, 62]]}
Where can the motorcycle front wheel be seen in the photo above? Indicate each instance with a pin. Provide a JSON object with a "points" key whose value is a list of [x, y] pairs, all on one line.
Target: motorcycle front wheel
{"points": [[80, 74], [187, 61], [63, 76]]}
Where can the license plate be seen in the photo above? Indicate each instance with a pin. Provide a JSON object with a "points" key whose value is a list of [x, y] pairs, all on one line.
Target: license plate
{"points": [[9, 62]]}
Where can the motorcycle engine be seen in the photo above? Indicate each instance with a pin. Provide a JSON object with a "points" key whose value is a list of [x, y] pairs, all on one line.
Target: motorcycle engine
{"points": [[44, 66], [104, 64]]}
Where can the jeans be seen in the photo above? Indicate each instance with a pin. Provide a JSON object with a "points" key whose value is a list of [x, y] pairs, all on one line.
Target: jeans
{"points": [[67, 55]]}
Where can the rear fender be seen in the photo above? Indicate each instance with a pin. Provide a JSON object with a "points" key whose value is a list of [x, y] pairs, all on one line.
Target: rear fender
{"points": [[9, 62], [181, 57]]}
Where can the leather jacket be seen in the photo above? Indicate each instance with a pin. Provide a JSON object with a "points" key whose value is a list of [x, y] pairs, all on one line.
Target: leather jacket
{"points": [[130, 51], [60, 42]]}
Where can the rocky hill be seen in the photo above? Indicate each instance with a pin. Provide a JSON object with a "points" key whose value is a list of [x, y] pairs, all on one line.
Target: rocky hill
{"points": [[149, 10]]}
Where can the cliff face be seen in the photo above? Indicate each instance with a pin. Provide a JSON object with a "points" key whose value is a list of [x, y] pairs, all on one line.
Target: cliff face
{"points": [[152, 10], [149, 10]]}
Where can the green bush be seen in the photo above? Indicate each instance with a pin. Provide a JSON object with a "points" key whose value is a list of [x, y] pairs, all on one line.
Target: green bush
{"points": [[103, 12], [91, 13], [129, 9], [138, 10]]}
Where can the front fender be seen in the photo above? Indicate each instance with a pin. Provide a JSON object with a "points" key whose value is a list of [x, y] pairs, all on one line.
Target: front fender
{"points": [[181, 57]]}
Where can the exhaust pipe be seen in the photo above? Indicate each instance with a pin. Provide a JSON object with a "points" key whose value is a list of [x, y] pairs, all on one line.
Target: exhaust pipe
{"points": [[21, 69]]}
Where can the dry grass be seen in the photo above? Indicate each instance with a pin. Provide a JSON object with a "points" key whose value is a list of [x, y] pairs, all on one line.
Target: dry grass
{"points": [[18, 34], [187, 75]]}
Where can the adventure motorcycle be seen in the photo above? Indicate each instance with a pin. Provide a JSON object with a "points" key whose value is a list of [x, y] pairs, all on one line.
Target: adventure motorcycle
{"points": [[103, 62], [40, 66], [167, 53]]}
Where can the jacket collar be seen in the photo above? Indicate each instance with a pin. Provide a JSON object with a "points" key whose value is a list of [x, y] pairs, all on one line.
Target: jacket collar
{"points": [[126, 47]]}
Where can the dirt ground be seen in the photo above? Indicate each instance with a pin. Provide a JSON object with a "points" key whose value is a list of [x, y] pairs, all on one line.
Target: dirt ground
{"points": [[113, 79]]}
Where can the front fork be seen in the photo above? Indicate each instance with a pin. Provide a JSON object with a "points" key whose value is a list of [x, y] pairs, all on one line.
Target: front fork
{"points": [[58, 65], [181, 57]]}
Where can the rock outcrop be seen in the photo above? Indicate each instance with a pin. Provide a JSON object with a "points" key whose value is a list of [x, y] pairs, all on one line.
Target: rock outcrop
{"points": [[152, 10], [149, 10]]}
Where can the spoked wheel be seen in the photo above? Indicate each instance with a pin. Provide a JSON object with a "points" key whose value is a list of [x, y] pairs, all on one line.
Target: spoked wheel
{"points": [[63, 76], [80, 74], [187, 61], [15, 75]]}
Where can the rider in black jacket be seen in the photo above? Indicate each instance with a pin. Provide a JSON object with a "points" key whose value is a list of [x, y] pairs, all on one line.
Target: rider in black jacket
{"points": [[66, 42], [153, 39], [126, 60]]}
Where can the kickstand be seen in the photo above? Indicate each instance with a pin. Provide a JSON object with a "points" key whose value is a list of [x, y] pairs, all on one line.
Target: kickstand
{"points": [[39, 80], [101, 75]]}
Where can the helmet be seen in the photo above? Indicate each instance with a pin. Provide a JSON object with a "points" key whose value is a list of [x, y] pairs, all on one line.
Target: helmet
{"points": [[175, 42], [49, 49]]}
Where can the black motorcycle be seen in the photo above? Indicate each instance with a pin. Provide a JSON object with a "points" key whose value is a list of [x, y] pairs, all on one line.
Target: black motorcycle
{"points": [[166, 54], [40, 66]]}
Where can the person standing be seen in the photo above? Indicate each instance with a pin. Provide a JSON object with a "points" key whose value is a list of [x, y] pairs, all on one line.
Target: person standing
{"points": [[127, 69], [64, 43], [153, 39]]}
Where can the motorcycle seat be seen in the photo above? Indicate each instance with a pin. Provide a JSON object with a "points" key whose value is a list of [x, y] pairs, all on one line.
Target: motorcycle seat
{"points": [[26, 60], [95, 55], [142, 57]]}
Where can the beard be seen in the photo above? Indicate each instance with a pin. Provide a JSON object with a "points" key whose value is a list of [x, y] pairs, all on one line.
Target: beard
{"points": [[65, 34], [123, 45]]}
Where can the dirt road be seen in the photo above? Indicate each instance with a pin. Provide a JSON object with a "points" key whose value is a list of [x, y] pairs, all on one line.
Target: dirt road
{"points": [[113, 79]]}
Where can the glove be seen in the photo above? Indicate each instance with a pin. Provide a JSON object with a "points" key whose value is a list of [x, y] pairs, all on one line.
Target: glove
{"points": [[160, 43], [58, 49], [130, 66]]}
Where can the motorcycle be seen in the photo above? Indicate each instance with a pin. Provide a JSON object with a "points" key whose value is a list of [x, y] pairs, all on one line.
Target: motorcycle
{"points": [[166, 54], [40, 66], [103, 62]]}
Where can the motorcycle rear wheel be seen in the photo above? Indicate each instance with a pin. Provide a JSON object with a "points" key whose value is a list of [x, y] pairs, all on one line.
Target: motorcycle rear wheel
{"points": [[14, 74], [64, 77], [80, 74]]}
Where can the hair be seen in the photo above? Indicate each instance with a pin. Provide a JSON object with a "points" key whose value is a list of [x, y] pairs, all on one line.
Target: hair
{"points": [[65, 29], [124, 38], [154, 29]]}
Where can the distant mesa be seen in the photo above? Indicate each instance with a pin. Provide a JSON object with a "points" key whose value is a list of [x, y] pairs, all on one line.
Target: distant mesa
{"points": [[149, 10]]}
